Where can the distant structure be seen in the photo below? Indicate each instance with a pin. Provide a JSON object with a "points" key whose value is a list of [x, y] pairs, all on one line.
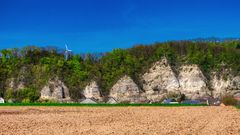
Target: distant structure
{"points": [[67, 52], [88, 101], [215, 39], [1, 100], [111, 101]]}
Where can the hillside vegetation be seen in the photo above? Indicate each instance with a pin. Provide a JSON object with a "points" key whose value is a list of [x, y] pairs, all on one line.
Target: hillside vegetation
{"points": [[35, 66]]}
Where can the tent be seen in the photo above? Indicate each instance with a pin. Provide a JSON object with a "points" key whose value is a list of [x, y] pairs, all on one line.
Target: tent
{"points": [[1, 100]]}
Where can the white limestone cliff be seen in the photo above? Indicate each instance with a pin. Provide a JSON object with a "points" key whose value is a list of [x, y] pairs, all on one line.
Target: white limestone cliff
{"points": [[92, 90]]}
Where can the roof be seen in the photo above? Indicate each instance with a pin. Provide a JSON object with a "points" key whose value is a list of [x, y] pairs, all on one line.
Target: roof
{"points": [[88, 101], [213, 101], [111, 100], [169, 100], [191, 102]]}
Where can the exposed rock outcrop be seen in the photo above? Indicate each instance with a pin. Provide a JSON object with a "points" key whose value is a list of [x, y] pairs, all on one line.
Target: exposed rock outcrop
{"points": [[193, 82], [55, 89], [92, 90], [227, 85], [156, 83], [219, 85], [126, 90], [159, 80], [235, 86], [15, 85]]}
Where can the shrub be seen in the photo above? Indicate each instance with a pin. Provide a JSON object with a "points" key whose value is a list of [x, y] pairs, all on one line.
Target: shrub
{"points": [[9, 94], [26, 100], [229, 100], [47, 101], [125, 102], [177, 96], [172, 95], [28, 94]]}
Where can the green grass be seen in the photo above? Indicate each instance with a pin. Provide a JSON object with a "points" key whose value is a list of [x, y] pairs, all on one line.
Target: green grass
{"points": [[96, 105], [238, 106]]}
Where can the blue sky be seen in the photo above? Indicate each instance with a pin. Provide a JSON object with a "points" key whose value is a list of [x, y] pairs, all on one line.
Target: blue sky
{"points": [[102, 25]]}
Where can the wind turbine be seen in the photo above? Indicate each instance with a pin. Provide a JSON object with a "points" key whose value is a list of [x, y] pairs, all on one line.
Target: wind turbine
{"points": [[67, 52]]}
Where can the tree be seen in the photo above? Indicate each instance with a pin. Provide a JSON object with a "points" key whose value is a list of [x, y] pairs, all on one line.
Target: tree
{"points": [[116, 64], [28, 94], [238, 46], [167, 51]]}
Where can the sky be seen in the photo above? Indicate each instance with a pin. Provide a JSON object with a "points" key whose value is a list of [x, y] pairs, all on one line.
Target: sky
{"points": [[103, 25]]}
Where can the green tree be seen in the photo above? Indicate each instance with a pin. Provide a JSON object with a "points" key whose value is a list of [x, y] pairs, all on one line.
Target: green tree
{"points": [[116, 64], [28, 95]]}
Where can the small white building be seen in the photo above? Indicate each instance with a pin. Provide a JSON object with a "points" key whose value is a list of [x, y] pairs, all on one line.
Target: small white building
{"points": [[1, 100], [88, 101]]}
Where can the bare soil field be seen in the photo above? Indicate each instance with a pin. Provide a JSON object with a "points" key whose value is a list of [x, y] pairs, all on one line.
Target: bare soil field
{"points": [[119, 120]]}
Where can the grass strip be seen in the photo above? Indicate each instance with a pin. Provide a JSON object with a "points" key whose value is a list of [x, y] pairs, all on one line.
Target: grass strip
{"points": [[97, 105]]}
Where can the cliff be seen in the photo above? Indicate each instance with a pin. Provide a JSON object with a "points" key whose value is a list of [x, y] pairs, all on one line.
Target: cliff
{"points": [[193, 82], [148, 73], [229, 85], [159, 80]]}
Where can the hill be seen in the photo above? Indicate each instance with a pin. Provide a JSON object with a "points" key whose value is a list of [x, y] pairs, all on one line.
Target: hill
{"points": [[25, 72]]}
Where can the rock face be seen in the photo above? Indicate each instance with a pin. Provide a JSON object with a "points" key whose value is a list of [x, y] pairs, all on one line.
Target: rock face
{"points": [[125, 90], [192, 82], [219, 86], [92, 91], [235, 86], [55, 89], [228, 86], [159, 80]]}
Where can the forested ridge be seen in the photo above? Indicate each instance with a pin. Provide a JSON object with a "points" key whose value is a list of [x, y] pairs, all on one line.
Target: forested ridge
{"points": [[35, 66]]}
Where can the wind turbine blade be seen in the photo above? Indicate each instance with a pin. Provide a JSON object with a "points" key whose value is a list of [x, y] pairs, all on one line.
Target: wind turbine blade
{"points": [[66, 46]]}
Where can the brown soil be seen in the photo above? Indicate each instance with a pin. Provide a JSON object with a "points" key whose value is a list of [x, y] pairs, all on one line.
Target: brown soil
{"points": [[119, 120]]}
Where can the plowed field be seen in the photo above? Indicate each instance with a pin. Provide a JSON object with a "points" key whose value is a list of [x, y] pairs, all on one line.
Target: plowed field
{"points": [[119, 120]]}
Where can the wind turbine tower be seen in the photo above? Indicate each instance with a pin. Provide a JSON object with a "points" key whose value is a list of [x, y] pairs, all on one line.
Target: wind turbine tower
{"points": [[67, 52]]}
